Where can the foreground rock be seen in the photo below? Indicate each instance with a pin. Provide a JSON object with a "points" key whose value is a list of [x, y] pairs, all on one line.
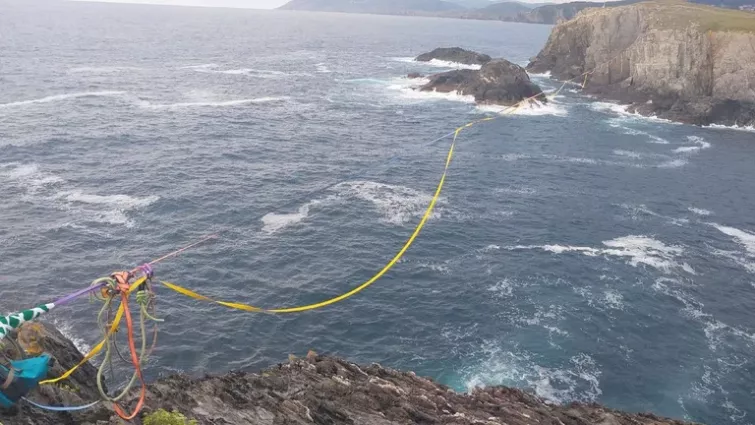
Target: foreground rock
{"points": [[456, 55], [498, 82], [679, 61], [314, 390]]}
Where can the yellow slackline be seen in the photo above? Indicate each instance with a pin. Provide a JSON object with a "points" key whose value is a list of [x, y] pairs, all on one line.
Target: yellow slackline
{"points": [[97, 348], [426, 216]]}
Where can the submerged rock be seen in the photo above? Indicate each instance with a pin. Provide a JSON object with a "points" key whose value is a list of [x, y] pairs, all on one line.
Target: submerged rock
{"points": [[498, 82], [456, 55], [313, 390]]}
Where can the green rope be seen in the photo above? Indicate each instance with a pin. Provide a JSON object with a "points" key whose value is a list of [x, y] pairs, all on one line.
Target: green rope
{"points": [[108, 346]]}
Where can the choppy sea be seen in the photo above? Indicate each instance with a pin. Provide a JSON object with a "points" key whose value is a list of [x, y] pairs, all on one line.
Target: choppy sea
{"points": [[579, 251]]}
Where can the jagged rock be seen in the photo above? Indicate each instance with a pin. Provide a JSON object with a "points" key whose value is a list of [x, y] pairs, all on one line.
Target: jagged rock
{"points": [[456, 55], [316, 389], [692, 63], [497, 82], [415, 75]]}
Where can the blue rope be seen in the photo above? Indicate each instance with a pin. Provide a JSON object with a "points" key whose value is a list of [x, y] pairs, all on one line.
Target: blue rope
{"points": [[62, 408]]}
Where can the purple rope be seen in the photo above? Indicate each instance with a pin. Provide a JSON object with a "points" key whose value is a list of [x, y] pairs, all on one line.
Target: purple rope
{"points": [[71, 297]]}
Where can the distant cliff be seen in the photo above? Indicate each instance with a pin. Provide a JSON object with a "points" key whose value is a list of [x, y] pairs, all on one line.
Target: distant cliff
{"points": [[677, 60], [503, 11], [380, 7], [313, 390]]}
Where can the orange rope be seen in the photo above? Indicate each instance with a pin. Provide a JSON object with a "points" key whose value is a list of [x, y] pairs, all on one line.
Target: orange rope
{"points": [[134, 359]]}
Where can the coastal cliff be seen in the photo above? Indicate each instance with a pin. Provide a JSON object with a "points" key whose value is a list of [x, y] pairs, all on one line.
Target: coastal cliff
{"points": [[312, 390], [676, 60]]}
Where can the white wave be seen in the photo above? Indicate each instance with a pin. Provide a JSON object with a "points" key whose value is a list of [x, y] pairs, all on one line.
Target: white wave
{"points": [[504, 288], [216, 104], [555, 330], [578, 380], [613, 299], [700, 145], [109, 209], [202, 66], [699, 211], [717, 332], [397, 204], [119, 201], [29, 176], [438, 63], [409, 89], [323, 68], [453, 65], [510, 157], [746, 239], [242, 71], [533, 108], [42, 187], [731, 127], [628, 154], [272, 222], [545, 74], [623, 112], [674, 163], [438, 268], [516, 190], [212, 68], [64, 327], [61, 97], [609, 107], [637, 249], [102, 69], [674, 287]]}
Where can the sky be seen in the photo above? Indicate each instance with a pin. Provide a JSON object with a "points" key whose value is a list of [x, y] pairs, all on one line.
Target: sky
{"points": [[256, 4], [246, 4]]}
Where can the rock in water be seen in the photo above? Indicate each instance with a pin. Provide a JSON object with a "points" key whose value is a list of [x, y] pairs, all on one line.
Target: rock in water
{"points": [[456, 55], [689, 64], [498, 82]]}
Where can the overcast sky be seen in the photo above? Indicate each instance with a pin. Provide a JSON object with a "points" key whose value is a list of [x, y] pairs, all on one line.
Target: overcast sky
{"points": [[256, 4], [251, 4]]}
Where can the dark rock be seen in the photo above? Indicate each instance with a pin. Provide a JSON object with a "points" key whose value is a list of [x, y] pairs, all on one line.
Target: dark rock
{"points": [[316, 389], [456, 55], [415, 75], [497, 82]]}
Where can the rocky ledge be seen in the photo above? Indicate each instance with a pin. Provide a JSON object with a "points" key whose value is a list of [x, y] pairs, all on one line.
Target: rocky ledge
{"points": [[456, 55], [676, 60], [311, 390]]}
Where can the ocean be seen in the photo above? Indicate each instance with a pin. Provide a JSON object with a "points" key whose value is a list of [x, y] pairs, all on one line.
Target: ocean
{"points": [[578, 251]]}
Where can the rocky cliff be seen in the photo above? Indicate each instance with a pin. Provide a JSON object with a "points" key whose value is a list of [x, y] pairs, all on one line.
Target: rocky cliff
{"points": [[676, 60], [312, 390]]}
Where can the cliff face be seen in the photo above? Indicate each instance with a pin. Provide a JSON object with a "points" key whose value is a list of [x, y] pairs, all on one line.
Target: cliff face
{"points": [[677, 60], [314, 390]]}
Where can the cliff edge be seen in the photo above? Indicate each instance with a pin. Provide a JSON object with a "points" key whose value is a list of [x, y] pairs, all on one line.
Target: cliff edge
{"points": [[312, 390], [676, 60]]}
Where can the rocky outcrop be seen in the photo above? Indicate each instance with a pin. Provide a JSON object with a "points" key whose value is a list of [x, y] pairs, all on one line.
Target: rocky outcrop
{"points": [[498, 82], [676, 60], [456, 55], [312, 390]]}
